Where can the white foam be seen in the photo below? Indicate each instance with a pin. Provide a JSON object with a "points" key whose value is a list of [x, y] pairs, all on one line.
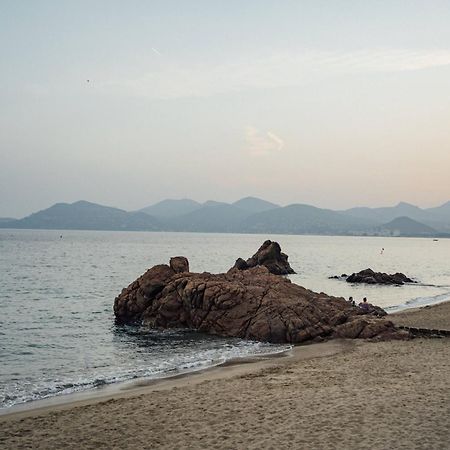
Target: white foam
{"points": [[419, 301]]}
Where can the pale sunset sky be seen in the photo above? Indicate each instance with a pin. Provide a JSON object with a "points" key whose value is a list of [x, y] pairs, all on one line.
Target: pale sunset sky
{"points": [[330, 103]]}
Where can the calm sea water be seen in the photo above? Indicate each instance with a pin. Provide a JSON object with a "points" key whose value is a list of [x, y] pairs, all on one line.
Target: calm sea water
{"points": [[57, 331]]}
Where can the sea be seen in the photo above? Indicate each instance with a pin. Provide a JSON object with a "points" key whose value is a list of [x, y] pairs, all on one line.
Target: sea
{"points": [[57, 288]]}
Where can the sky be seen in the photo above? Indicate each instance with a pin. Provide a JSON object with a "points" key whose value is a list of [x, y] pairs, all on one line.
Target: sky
{"points": [[331, 103]]}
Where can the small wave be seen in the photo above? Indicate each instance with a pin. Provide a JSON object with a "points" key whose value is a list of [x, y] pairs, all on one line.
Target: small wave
{"points": [[446, 286], [171, 366], [419, 301]]}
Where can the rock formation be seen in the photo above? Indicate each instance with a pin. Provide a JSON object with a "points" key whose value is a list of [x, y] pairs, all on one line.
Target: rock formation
{"points": [[269, 255], [179, 264], [251, 304], [370, 277]]}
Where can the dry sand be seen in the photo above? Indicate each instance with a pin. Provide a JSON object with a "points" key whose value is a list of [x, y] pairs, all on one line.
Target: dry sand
{"points": [[340, 395]]}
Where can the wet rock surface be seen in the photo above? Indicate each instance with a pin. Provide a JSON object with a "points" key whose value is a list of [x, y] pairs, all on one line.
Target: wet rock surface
{"points": [[251, 303]]}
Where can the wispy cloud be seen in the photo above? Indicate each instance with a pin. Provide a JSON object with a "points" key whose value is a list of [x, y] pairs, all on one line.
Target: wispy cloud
{"points": [[288, 69], [259, 143]]}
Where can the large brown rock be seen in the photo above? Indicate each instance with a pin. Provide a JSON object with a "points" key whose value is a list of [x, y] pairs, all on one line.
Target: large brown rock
{"points": [[138, 296], [269, 255], [251, 304]]}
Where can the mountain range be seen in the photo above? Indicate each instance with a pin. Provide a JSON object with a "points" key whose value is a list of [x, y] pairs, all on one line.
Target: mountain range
{"points": [[84, 215], [247, 215]]}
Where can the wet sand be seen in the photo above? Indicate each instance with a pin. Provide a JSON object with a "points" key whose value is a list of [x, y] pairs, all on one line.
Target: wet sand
{"points": [[340, 394], [436, 316]]}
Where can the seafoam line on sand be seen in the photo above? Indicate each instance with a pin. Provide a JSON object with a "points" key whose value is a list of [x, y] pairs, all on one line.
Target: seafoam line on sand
{"points": [[419, 301]]}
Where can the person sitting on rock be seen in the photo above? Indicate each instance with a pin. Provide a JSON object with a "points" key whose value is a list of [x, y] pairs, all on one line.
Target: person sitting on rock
{"points": [[351, 301], [364, 305]]}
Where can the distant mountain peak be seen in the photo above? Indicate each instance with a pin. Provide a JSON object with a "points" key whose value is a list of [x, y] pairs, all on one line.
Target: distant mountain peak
{"points": [[171, 207], [214, 203], [176, 200], [405, 226], [82, 202], [86, 203], [250, 198], [403, 219], [254, 204], [406, 205], [83, 215]]}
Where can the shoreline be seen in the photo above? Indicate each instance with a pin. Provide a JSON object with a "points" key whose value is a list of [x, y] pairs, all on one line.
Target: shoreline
{"points": [[126, 388], [344, 394], [434, 316], [417, 303], [134, 388], [237, 233], [144, 385]]}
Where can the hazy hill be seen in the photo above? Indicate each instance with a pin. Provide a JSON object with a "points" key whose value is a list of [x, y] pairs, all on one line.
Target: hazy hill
{"points": [[171, 208], [84, 215], [441, 212], [4, 220], [254, 205], [363, 212], [304, 219], [247, 215], [386, 214], [212, 217], [438, 218], [403, 209], [404, 226], [214, 203]]}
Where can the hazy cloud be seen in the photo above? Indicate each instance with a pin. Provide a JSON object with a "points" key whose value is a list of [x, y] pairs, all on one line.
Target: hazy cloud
{"points": [[262, 143], [287, 69]]}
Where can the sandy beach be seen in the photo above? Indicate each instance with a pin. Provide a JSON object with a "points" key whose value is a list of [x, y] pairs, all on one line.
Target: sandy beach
{"points": [[339, 394], [436, 316]]}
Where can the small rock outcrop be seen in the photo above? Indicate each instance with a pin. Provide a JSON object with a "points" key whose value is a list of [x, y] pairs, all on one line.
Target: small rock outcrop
{"points": [[179, 264], [370, 277], [270, 256], [251, 304]]}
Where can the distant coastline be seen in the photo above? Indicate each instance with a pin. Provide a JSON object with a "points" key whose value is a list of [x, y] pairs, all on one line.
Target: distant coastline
{"points": [[249, 215]]}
